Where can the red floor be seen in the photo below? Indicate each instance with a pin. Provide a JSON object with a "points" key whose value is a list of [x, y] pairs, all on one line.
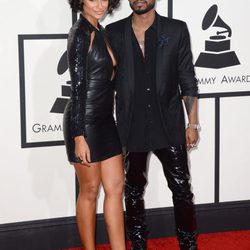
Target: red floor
{"points": [[237, 240]]}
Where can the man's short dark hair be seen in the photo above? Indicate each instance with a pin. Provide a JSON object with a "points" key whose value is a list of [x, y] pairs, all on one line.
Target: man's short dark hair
{"points": [[77, 5]]}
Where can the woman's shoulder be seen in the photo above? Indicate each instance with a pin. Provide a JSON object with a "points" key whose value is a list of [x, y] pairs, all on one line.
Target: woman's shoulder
{"points": [[79, 36], [80, 28]]}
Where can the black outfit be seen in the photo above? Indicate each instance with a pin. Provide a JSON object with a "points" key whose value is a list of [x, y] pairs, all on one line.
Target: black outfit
{"points": [[167, 70], [90, 109], [175, 168], [146, 130], [174, 76]]}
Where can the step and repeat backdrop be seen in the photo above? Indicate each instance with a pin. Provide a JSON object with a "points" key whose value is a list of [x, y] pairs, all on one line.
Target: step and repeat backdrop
{"points": [[220, 43], [37, 182], [221, 57]]}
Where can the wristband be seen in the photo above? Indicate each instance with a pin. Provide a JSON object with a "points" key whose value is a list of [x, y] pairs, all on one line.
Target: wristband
{"points": [[194, 126]]}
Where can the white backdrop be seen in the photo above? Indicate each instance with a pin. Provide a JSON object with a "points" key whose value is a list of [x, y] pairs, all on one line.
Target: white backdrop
{"points": [[236, 16], [234, 118], [37, 182]]}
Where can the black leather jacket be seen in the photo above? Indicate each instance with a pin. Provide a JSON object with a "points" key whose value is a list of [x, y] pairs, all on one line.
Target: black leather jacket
{"points": [[78, 46]]}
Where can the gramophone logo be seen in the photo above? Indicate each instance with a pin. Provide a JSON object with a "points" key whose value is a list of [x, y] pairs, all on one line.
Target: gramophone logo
{"points": [[42, 64], [218, 52], [60, 103]]}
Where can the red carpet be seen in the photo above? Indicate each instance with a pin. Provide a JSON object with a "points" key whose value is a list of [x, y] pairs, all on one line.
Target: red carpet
{"points": [[238, 240]]}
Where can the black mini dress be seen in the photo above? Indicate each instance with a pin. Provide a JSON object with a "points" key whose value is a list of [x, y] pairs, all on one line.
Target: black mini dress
{"points": [[89, 111]]}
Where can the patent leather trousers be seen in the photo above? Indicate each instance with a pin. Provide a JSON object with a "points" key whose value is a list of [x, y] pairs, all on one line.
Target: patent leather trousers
{"points": [[175, 168]]}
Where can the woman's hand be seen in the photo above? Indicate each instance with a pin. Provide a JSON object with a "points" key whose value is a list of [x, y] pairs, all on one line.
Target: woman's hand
{"points": [[82, 150]]}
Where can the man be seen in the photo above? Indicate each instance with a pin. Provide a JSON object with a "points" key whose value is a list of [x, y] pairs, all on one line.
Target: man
{"points": [[154, 74]]}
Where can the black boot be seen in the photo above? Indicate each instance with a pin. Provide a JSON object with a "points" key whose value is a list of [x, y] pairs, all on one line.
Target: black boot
{"points": [[135, 217], [187, 240]]}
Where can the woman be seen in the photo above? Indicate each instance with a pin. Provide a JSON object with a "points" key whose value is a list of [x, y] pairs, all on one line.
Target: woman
{"points": [[90, 132]]}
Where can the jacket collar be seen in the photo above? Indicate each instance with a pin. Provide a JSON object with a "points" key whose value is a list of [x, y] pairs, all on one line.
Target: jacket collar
{"points": [[85, 21]]}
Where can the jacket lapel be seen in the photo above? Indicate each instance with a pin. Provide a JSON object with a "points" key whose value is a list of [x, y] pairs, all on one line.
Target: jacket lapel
{"points": [[158, 58], [129, 60]]}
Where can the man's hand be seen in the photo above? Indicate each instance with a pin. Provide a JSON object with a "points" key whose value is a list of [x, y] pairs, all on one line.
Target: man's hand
{"points": [[192, 137]]}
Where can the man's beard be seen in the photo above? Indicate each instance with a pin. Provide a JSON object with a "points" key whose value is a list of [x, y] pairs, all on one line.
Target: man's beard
{"points": [[142, 11]]}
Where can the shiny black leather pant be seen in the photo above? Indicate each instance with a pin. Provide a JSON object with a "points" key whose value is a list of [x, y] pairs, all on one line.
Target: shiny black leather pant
{"points": [[174, 163]]}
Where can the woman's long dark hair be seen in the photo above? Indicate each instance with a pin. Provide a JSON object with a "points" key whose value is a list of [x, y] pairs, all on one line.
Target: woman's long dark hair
{"points": [[77, 5]]}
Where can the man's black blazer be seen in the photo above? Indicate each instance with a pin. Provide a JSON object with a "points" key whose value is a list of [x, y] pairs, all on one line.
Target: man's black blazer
{"points": [[175, 76]]}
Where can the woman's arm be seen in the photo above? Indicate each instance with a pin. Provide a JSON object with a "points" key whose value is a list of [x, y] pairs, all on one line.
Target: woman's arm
{"points": [[78, 45]]}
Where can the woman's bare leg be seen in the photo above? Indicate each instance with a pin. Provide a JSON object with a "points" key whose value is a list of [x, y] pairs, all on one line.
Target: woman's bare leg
{"points": [[89, 179], [112, 175]]}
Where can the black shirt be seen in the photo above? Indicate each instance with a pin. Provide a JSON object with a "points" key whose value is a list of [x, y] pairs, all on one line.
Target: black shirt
{"points": [[146, 131]]}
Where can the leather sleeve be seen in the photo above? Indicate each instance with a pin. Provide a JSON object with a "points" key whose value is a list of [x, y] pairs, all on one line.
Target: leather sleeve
{"points": [[78, 45], [186, 73]]}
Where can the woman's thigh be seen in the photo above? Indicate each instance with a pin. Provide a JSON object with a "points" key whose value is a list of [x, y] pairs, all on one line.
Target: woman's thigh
{"points": [[112, 174], [88, 177]]}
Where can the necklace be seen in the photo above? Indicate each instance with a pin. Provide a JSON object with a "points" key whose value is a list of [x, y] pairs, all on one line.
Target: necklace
{"points": [[137, 32], [141, 44]]}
